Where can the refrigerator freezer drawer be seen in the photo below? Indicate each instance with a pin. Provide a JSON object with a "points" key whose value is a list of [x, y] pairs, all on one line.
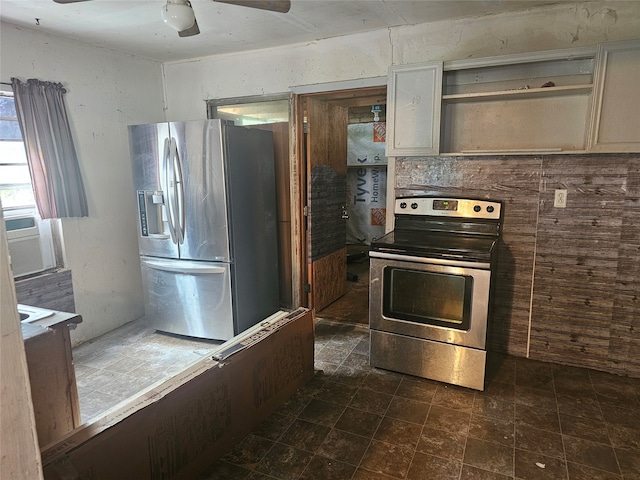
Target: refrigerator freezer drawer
{"points": [[188, 298]]}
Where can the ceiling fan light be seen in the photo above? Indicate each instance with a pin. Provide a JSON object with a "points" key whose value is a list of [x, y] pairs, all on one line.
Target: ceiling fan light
{"points": [[178, 16]]}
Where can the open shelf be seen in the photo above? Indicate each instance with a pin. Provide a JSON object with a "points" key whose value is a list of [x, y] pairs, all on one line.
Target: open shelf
{"points": [[517, 93], [490, 108], [543, 120]]}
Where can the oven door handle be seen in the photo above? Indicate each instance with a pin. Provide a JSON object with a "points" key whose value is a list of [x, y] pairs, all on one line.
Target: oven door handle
{"points": [[430, 260]]}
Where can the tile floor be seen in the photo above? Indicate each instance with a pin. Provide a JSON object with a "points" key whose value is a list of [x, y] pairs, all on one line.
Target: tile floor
{"points": [[535, 421], [113, 367]]}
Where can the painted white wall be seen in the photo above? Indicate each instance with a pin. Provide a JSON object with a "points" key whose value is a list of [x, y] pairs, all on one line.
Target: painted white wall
{"points": [[190, 83], [567, 25], [106, 91]]}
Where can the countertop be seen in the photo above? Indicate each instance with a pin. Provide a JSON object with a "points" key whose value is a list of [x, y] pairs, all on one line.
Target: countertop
{"points": [[30, 331], [44, 320]]}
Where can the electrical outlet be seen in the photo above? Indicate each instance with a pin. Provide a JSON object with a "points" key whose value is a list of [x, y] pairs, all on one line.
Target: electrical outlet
{"points": [[560, 199]]}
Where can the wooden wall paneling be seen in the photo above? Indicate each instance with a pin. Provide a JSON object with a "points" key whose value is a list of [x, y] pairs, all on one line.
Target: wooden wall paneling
{"points": [[365, 96], [512, 300], [326, 291], [328, 192], [512, 297], [577, 260], [514, 181], [624, 351], [327, 197], [53, 291], [298, 186]]}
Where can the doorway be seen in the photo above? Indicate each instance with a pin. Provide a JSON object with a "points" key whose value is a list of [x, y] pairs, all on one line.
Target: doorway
{"points": [[319, 268], [340, 139]]}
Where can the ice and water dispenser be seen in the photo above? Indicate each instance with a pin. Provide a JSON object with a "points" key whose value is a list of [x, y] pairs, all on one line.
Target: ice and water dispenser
{"points": [[153, 216]]}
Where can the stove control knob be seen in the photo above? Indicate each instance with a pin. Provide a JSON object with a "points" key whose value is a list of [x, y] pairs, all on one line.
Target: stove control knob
{"points": [[403, 204], [477, 208], [490, 209], [414, 205]]}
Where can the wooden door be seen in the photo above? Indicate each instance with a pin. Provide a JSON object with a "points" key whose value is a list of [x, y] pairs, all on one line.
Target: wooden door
{"points": [[326, 202]]}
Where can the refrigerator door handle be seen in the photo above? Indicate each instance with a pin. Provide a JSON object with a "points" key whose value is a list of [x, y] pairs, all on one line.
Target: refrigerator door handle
{"points": [[179, 190], [181, 266], [166, 165], [173, 193]]}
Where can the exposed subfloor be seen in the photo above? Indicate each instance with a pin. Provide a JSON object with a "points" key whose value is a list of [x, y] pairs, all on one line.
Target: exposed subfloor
{"points": [[127, 360], [535, 420]]}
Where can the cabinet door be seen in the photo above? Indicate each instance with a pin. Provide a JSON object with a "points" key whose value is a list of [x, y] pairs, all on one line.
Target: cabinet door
{"points": [[413, 110], [615, 119]]}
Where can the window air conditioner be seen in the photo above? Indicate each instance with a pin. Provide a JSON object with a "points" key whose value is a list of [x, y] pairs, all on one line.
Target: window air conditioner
{"points": [[29, 254]]}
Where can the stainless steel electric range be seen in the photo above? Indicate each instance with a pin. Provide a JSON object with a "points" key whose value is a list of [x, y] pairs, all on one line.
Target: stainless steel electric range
{"points": [[431, 283]]}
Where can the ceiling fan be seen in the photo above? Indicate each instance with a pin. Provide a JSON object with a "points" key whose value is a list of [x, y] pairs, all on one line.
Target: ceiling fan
{"points": [[179, 15]]}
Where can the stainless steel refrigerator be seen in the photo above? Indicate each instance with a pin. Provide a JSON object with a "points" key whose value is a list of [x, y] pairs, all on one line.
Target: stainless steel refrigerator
{"points": [[207, 226]]}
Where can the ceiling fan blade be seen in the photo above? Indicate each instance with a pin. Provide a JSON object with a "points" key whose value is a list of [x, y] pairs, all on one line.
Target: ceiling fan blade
{"points": [[191, 31], [281, 6], [69, 1]]}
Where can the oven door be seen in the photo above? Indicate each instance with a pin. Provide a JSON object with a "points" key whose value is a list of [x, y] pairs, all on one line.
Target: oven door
{"points": [[432, 299]]}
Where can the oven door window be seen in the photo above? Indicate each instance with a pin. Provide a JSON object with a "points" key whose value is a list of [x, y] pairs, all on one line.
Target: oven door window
{"points": [[428, 298]]}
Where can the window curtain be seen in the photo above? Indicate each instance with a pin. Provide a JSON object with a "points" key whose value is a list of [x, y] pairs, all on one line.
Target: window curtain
{"points": [[55, 174]]}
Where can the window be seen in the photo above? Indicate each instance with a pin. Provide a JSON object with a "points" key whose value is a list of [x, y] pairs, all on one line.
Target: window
{"points": [[251, 110], [31, 240], [15, 180]]}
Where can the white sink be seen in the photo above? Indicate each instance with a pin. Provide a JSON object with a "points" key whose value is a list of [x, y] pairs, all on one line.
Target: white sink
{"points": [[30, 314]]}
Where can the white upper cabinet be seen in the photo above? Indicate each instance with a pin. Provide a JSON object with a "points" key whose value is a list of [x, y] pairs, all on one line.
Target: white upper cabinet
{"points": [[561, 101], [615, 118], [413, 110]]}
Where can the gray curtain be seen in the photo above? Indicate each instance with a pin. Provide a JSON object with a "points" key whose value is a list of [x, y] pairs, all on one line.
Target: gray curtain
{"points": [[51, 155]]}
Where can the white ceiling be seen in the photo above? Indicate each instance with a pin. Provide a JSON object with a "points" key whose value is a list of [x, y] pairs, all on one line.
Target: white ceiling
{"points": [[135, 26]]}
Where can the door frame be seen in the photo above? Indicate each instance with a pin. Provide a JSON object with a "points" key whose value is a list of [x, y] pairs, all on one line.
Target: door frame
{"points": [[347, 94]]}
